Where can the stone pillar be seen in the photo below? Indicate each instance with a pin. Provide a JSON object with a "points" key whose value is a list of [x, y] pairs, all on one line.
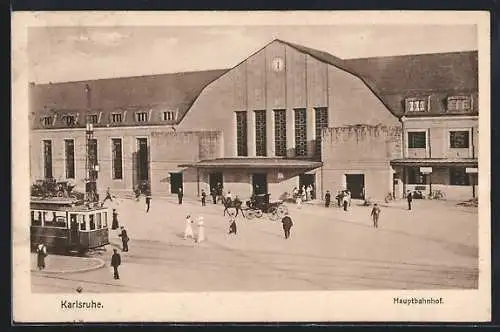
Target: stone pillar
{"points": [[270, 133], [251, 133], [311, 131], [290, 133]]}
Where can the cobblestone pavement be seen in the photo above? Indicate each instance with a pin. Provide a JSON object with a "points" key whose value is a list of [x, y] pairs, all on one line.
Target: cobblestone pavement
{"points": [[433, 246]]}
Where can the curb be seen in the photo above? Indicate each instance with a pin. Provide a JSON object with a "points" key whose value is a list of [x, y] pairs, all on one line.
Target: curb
{"points": [[87, 269]]}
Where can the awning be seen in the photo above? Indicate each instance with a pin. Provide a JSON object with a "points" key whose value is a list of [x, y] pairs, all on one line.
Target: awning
{"points": [[280, 163], [437, 162]]}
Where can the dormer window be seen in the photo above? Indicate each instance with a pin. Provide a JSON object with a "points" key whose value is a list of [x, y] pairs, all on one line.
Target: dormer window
{"points": [[416, 105], [47, 120], [92, 118], [459, 103], [141, 116], [116, 117], [69, 120], [168, 116]]}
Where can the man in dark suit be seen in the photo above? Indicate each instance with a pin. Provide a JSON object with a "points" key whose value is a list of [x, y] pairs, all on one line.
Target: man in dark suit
{"points": [[125, 239], [409, 198], [179, 195], [115, 262], [148, 203], [287, 225]]}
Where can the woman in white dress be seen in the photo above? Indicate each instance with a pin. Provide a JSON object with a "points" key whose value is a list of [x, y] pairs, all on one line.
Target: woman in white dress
{"points": [[188, 231], [201, 230]]}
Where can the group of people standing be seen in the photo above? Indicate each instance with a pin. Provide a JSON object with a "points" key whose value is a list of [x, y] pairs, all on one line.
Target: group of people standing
{"points": [[303, 194], [343, 199]]}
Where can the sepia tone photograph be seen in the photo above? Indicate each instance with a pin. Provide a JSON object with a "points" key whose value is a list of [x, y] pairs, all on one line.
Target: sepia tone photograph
{"points": [[260, 157]]}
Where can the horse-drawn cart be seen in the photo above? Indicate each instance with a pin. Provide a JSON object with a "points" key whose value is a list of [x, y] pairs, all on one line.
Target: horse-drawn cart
{"points": [[260, 204]]}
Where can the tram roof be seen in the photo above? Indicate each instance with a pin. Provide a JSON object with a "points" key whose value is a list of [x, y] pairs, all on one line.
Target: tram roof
{"points": [[63, 205]]}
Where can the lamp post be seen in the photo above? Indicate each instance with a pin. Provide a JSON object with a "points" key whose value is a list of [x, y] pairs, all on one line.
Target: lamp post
{"points": [[90, 165]]}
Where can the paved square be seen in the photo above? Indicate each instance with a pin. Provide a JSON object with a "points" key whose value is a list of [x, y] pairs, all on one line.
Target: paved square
{"points": [[434, 246]]}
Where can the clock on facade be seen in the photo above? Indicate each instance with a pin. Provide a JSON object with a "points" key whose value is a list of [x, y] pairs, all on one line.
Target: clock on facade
{"points": [[278, 64]]}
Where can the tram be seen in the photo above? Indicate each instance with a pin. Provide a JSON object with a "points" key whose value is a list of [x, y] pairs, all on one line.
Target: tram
{"points": [[66, 225]]}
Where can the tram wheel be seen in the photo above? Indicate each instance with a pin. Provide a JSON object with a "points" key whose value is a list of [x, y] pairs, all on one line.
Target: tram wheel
{"points": [[259, 213], [250, 214]]}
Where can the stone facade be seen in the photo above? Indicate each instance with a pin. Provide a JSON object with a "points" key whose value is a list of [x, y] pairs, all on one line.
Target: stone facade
{"points": [[361, 149]]}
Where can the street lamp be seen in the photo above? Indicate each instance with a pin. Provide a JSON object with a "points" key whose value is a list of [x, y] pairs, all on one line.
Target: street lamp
{"points": [[91, 167]]}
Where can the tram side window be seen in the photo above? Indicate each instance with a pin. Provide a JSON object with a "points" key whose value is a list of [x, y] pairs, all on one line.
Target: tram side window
{"points": [[49, 219], [36, 218], [98, 219], [105, 220], [91, 222], [81, 221], [60, 220]]}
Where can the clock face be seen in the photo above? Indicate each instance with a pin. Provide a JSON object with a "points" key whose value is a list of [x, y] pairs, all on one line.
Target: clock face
{"points": [[278, 64]]}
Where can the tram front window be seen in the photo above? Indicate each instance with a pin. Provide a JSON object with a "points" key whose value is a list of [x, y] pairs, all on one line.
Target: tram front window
{"points": [[81, 221], [36, 218], [98, 219]]}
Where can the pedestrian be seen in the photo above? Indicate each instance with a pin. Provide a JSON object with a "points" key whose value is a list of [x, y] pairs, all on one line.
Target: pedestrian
{"points": [[345, 201], [116, 261], [108, 196], [328, 197], [339, 198], [287, 225], [201, 230], [308, 193], [114, 224], [298, 201], [375, 214], [232, 225], [348, 193], [213, 193], [179, 195], [203, 198], [409, 198], [137, 193], [188, 230], [148, 203], [125, 239], [295, 192], [41, 252]]}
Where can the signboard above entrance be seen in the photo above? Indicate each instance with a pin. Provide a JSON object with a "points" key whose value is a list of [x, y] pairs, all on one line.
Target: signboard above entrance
{"points": [[471, 170], [425, 170]]}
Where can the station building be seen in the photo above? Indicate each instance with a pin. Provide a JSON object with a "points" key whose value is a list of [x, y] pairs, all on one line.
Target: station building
{"points": [[285, 116]]}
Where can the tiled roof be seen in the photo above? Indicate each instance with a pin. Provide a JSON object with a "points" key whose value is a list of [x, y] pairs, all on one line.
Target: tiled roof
{"points": [[174, 92], [394, 78], [391, 79]]}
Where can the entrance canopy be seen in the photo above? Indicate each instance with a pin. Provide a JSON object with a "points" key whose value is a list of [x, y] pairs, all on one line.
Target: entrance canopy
{"points": [[280, 163], [462, 162]]}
